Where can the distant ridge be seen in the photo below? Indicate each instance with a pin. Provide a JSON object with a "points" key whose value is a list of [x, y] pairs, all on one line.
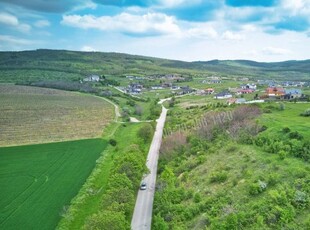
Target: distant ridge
{"points": [[78, 62]]}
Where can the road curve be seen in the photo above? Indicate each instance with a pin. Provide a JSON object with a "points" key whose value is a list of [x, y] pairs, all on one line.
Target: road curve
{"points": [[142, 216]]}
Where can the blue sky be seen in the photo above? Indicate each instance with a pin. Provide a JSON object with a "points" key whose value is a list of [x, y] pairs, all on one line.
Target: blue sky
{"points": [[190, 30]]}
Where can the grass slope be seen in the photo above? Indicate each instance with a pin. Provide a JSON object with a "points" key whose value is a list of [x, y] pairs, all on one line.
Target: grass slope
{"points": [[38, 181], [73, 65], [224, 183], [31, 115]]}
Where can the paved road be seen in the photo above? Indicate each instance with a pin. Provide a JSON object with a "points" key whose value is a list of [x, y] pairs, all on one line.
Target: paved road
{"points": [[142, 216]]}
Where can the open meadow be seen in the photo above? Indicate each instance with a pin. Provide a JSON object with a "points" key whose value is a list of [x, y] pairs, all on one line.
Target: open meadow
{"points": [[37, 182], [31, 115], [289, 117]]}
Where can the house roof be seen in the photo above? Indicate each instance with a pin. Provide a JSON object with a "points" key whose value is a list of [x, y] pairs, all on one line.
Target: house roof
{"points": [[292, 91], [224, 93], [275, 90]]}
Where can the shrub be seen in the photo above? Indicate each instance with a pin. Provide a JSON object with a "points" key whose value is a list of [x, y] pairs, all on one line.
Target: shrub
{"points": [[197, 198], [295, 135], [113, 142], [218, 176], [265, 110], [146, 132], [282, 154], [281, 106], [257, 187], [300, 199], [306, 113]]}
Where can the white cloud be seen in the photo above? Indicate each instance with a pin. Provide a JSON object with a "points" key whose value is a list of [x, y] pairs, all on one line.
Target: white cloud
{"points": [[15, 41], [86, 4], [13, 22], [296, 7], [150, 23], [88, 49], [8, 19], [42, 23], [201, 31], [229, 35], [275, 51]]}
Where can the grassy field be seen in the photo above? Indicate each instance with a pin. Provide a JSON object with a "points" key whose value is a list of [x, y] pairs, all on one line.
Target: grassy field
{"points": [[37, 182], [289, 117], [86, 204], [31, 115]]}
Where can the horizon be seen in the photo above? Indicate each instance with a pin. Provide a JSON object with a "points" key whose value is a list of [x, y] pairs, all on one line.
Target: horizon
{"points": [[291, 60], [199, 30]]}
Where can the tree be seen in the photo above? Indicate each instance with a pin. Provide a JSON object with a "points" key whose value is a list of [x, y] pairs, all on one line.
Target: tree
{"points": [[138, 110], [146, 132]]}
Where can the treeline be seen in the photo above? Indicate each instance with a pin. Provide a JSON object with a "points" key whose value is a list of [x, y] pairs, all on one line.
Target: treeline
{"points": [[119, 199]]}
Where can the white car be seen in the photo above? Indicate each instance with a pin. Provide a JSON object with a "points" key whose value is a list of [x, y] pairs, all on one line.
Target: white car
{"points": [[143, 186]]}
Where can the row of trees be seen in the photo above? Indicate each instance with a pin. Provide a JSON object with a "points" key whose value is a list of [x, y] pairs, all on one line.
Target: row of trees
{"points": [[118, 201]]}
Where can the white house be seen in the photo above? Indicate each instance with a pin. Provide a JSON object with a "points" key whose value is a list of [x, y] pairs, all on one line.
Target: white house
{"points": [[93, 78], [223, 95]]}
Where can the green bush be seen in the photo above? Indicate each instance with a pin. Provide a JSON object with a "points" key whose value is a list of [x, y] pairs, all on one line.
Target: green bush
{"points": [[257, 187], [146, 132], [113, 142], [218, 177], [295, 135], [306, 113]]}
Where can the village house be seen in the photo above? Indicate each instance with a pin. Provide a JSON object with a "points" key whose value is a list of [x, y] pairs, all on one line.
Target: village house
{"points": [[209, 91], [175, 87], [231, 101], [292, 93], [134, 88], [184, 90], [223, 95], [92, 78], [156, 87], [244, 91], [249, 86], [275, 92]]}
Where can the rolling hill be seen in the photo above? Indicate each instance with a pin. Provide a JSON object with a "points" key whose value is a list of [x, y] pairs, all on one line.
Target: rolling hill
{"points": [[73, 65]]}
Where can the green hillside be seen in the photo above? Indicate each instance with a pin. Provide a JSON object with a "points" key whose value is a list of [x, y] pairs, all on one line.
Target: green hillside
{"points": [[235, 168], [73, 65]]}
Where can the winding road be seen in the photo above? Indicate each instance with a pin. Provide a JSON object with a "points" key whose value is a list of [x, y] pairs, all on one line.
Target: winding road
{"points": [[142, 216]]}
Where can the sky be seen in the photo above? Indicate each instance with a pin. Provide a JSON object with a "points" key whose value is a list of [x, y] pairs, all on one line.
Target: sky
{"points": [[189, 30]]}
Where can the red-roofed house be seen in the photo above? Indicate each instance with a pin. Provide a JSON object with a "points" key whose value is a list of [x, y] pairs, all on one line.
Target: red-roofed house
{"points": [[275, 91]]}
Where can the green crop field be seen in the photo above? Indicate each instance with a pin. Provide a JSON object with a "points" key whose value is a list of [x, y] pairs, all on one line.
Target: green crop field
{"points": [[37, 182], [31, 115]]}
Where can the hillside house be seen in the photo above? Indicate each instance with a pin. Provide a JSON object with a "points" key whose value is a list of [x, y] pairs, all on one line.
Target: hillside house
{"points": [[249, 86], [175, 87], [292, 93], [231, 101], [209, 91], [240, 101], [92, 78], [223, 95], [244, 91], [134, 88], [156, 87], [275, 92]]}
